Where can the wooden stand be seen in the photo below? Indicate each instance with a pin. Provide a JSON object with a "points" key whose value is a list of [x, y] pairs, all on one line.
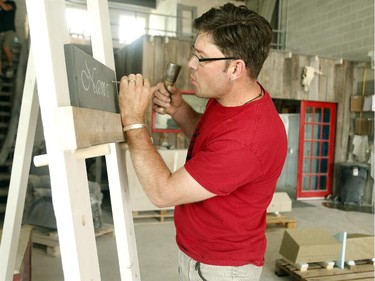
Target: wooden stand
{"points": [[277, 219], [158, 216]]}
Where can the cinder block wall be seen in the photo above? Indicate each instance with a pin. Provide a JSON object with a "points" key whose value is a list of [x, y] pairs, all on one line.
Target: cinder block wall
{"points": [[334, 28]]}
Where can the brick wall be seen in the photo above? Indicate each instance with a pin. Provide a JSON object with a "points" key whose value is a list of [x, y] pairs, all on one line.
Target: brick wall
{"points": [[333, 28]]}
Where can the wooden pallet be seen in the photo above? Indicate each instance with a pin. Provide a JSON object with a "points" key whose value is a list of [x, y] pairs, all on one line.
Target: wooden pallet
{"points": [[49, 239], [155, 216], [167, 216], [281, 220], [363, 271]]}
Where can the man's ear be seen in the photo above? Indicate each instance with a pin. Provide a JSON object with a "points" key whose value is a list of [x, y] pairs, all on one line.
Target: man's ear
{"points": [[237, 68]]}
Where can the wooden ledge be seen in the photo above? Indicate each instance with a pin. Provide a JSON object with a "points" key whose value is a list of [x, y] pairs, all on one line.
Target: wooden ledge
{"points": [[78, 127]]}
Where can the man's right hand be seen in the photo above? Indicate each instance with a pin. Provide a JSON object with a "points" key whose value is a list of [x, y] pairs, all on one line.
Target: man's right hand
{"points": [[166, 100]]}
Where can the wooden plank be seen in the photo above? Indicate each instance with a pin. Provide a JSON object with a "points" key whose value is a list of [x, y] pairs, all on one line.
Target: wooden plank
{"points": [[84, 127], [183, 55], [158, 216], [342, 277], [288, 222]]}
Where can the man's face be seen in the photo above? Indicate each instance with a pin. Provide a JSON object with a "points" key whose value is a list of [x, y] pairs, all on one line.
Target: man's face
{"points": [[210, 78]]}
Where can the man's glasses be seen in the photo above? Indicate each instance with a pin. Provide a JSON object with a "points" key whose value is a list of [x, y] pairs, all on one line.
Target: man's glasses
{"points": [[198, 60]]}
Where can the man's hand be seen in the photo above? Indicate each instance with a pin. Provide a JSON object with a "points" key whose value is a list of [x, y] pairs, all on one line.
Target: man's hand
{"points": [[169, 99], [134, 97]]}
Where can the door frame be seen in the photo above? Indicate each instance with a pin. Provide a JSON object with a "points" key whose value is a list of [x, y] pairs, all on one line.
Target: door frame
{"points": [[314, 189]]}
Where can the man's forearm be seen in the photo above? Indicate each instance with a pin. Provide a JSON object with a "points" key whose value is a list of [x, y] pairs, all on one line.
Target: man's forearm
{"points": [[150, 168], [187, 119]]}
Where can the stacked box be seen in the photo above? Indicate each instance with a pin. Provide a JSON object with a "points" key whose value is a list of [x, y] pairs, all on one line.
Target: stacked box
{"points": [[364, 126], [309, 245], [356, 103], [280, 203], [359, 247]]}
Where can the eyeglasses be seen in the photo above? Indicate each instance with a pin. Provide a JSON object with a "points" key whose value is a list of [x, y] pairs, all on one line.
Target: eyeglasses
{"points": [[198, 60]]}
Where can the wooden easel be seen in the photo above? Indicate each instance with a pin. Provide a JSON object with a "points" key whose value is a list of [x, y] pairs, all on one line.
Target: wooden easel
{"points": [[67, 169]]}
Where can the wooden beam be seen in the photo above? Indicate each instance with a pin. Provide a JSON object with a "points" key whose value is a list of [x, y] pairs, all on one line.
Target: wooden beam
{"points": [[83, 127]]}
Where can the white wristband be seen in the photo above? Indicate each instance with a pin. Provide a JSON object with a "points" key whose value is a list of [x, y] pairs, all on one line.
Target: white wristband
{"points": [[133, 126]]}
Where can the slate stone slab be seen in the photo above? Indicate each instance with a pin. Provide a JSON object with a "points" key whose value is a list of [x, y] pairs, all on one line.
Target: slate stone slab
{"points": [[90, 82]]}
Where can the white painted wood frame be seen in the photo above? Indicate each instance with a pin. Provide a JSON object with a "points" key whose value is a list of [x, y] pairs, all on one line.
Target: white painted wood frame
{"points": [[20, 174], [69, 184], [116, 164]]}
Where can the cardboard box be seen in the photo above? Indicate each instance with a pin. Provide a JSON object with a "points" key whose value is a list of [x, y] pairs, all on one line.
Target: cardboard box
{"points": [[359, 247], [364, 126], [301, 246], [280, 203], [356, 103]]}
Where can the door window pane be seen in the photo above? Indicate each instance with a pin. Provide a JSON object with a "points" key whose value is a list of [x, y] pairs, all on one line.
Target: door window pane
{"points": [[309, 116], [325, 147], [324, 165], [318, 114], [307, 149], [326, 115], [325, 132], [316, 132], [315, 166], [314, 183], [306, 166], [308, 132], [316, 148], [305, 183]]}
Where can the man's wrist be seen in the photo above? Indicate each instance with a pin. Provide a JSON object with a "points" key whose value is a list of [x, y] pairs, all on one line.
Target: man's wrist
{"points": [[134, 127]]}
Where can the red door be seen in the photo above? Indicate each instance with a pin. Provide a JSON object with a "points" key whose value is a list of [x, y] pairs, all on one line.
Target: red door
{"points": [[316, 147]]}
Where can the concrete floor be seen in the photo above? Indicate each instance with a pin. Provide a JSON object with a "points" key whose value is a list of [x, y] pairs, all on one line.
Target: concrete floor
{"points": [[157, 251]]}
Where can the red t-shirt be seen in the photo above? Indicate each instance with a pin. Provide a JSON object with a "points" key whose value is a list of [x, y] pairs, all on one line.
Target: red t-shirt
{"points": [[237, 153]]}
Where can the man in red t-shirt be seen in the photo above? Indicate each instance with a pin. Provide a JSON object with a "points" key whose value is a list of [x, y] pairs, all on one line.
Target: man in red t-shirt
{"points": [[236, 154]]}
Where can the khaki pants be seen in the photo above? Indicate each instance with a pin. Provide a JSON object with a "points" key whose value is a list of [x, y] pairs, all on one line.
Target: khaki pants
{"points": [[191, 270]]}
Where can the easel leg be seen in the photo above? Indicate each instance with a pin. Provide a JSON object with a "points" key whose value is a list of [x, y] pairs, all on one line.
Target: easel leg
{"points": [[20, 174], [122, 214]]}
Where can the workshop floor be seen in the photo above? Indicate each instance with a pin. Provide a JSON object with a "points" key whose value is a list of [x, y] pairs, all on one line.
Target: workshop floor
{"points": [[157, 252]]}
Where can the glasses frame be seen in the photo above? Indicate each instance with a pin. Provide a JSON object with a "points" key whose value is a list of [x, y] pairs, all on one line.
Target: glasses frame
{"points": [[209, 59]]}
